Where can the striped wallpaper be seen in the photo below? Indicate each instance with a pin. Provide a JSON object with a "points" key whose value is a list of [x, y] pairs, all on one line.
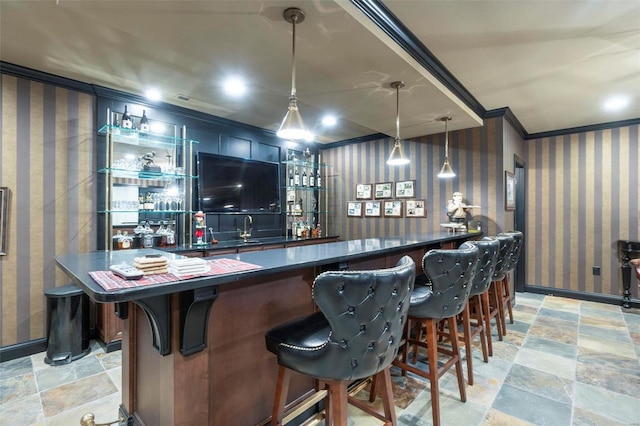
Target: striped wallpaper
{"points": [[583, 191], [475, 155], [47, 150]]}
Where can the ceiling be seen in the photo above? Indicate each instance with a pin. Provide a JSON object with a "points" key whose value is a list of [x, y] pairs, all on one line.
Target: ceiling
{"points": [[552, 63]]}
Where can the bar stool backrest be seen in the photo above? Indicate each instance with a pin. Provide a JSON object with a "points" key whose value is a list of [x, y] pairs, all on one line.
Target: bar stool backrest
{"points": [[366, 311], [504, 256], [489, 248], [518, 239], [451, 273]]}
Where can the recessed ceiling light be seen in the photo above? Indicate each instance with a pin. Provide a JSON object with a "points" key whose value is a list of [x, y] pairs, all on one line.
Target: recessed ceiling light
{"points": [[329, 120], [235, 86], [616, 103], [153, 94]]}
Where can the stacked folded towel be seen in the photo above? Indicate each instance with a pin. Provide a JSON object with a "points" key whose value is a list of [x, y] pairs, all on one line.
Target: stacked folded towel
{"points": [[188, 266], [151, 265]]}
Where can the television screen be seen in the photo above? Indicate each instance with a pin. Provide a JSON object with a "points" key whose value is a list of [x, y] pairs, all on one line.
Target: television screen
{"points": [[230, 184]]}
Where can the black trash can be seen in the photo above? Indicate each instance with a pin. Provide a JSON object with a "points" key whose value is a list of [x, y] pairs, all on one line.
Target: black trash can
{"points": [[67, 324]]}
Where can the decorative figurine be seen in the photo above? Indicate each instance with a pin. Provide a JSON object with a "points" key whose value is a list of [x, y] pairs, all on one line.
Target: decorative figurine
{"points": [[200, 228], [456, 209]]}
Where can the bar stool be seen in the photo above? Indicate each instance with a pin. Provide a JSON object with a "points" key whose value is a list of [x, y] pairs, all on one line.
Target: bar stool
{"points": [[451, 273], [495, 290], [474, 312], [355, 335], [514, 255]]}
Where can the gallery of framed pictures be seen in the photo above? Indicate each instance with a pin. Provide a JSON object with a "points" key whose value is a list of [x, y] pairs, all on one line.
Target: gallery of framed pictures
{"points": [[386, 199]]}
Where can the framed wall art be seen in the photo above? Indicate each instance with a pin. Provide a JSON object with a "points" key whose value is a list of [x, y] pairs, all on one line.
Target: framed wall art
{"points": [[354, 209], [393, 208], [406, 189], [509, 191], [4, 212], [372, 208], [383, 190], [363, 191], [415, 208]]}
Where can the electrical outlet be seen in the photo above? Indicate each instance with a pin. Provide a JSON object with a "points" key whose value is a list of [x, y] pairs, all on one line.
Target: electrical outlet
{"points": [[596, 270]]}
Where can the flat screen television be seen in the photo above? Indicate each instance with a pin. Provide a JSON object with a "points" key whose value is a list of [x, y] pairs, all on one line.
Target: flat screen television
{"points": [[231, 184]]}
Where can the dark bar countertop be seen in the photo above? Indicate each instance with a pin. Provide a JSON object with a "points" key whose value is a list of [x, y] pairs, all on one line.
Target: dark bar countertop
{"points": [[78, 265]]}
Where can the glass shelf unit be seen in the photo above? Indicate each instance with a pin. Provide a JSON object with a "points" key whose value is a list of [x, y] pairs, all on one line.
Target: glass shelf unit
{"points": [[305, 201], [150, 169]]}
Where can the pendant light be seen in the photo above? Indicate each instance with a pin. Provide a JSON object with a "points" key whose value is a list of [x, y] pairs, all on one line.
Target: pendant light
{"points": [[397, 157], [292, 126], [446, 171]]}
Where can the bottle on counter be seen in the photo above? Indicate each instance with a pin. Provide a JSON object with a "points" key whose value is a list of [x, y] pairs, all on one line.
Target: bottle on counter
{"points": [[126, 242], [116, 240], [171, 236], [144, 124], [318, 230], [127, 122]]}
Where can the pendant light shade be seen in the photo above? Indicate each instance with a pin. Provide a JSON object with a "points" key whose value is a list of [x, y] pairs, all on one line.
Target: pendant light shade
{"points": [[397, 157], [446, 171], [292, 126]]}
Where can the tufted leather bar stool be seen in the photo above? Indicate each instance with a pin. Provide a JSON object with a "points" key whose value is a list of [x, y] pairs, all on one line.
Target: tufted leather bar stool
{"points": [[495, 291], [355, 335], [514, 255], [477, 309], [451, 273]]}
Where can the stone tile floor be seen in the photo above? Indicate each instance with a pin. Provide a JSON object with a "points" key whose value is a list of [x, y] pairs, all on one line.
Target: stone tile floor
{"points": [[563, 362]]}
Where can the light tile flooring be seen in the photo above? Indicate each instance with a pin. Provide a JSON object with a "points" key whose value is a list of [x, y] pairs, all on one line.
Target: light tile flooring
{"points": [[563, 362]]}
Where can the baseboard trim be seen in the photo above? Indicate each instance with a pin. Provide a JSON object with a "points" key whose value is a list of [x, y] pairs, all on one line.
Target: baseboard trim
{"points": [[19, 350], [581, 295]]}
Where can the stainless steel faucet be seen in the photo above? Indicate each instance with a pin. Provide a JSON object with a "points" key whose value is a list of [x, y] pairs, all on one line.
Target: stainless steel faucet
{"points": [[247, 234]]}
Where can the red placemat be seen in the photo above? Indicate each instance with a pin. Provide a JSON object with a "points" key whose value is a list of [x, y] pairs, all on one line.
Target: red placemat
{"points": [[109, 281]]}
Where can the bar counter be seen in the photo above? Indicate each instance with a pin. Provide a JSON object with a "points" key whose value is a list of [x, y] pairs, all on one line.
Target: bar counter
{"points": [[193, 350]]}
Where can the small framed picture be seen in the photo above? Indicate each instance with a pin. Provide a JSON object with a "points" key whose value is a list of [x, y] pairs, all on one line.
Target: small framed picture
{"points": [[406, 189], [509, 191], [363, 191], [415, 208], [393, 208], [372, 208], [354, 209], [383, 190]]}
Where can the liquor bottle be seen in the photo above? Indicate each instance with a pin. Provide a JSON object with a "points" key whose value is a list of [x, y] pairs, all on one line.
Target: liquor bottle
{"points": [[319, 230], [126, 241], [140, 202], [290, 177], [144, 124], [115, 125], [117, 243], [148, 203], [318, 179], [312, 179], [127, 122], [305, 182], [296, 178]]}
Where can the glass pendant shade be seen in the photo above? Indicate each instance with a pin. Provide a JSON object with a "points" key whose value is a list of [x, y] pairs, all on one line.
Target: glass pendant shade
{"points": [[397, 157], [446, 171], [292, 126]]}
